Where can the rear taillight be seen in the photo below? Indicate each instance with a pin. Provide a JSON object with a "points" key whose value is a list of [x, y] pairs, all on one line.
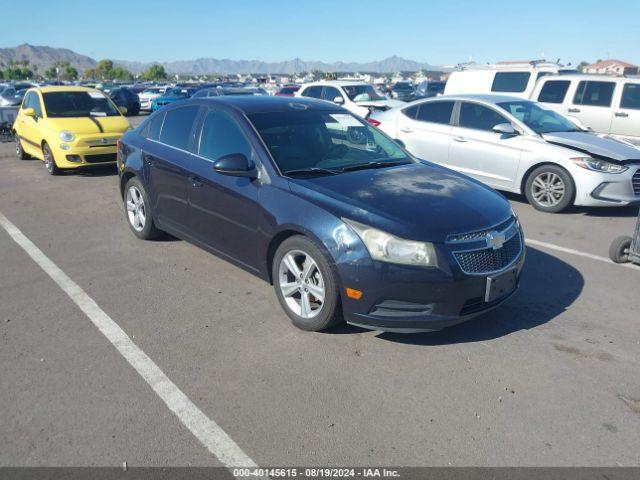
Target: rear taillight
{"points": [[373, 122]]}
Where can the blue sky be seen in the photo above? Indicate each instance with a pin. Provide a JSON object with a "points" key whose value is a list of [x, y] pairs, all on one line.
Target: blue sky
{"points": [[439, 32]]}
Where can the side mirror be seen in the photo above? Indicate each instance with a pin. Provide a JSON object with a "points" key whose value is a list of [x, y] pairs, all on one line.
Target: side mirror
{"points": [[235, 165], [29, 112], [505, 129], [123, 110], [338, 100]]}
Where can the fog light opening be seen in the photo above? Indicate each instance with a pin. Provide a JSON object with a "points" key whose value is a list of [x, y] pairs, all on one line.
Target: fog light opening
{"points": [[74, 158]]}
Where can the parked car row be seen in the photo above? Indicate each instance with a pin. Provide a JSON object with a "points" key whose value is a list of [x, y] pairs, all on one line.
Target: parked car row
{"points": [[300, 192], [605, 104], [517, 145]]}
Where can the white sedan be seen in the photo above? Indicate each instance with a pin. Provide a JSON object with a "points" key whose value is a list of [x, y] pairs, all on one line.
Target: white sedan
{"points": [[516, 145]]}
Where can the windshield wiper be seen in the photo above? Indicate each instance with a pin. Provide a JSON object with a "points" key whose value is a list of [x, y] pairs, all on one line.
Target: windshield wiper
{"points": [[373, 164], [312, 171]]}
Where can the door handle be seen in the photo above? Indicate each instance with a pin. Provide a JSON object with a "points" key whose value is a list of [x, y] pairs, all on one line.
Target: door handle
{"points": [[460, 139], [621, 114], [195, 181], [573, 110], [406, 130]]}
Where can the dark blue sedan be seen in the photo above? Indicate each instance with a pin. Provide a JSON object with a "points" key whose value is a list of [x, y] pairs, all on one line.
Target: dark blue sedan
{"points": [[338, 217]]}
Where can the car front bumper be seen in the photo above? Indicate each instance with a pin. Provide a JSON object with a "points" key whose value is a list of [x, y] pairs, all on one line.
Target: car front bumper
{"points": [[606, 189], [416, 299], [84, 154]]}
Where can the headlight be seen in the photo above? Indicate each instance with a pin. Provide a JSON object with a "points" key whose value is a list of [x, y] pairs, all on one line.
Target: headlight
{"points": [[385, 247], [595, 165], [67, 136]]}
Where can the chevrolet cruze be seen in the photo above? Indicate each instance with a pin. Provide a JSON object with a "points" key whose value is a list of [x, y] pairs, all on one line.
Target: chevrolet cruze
{"points": [[340, 219]]}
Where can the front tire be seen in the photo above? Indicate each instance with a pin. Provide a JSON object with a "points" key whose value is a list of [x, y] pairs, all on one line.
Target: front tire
{"points": [[137, 209], [550, 189], [306, 285], [50, 161], [20, 153], [619, 249]]}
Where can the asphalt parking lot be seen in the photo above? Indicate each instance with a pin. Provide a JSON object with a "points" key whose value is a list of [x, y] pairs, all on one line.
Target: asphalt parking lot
{"points": [[551, 378]]}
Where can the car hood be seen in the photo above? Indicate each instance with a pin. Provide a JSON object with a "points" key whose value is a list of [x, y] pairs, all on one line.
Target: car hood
{"points": [[418, 201], [87, 126], [601, 147]]}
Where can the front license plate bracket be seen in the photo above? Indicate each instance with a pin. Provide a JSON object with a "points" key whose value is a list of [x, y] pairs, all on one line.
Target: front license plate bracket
{"points": [[500, 285]]}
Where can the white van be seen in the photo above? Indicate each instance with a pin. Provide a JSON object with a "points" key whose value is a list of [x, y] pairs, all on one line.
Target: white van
{"points": [[609, 105], [516, 80]]}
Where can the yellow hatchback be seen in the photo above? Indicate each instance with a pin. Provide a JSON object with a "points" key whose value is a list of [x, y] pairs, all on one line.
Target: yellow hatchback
{"points": [[68, 127]]}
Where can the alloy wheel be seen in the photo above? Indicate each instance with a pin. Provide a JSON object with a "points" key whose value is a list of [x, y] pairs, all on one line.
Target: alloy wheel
{"points": [[548, 189], [301, 284], [48, 160], [136, 212], [18, 148]]}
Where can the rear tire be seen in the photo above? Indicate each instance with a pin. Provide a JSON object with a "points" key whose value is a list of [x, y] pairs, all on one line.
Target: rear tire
{"points": [[619, 249], [137, 209], [20, 153], [306, 285], [550, 188], [50, 161]]}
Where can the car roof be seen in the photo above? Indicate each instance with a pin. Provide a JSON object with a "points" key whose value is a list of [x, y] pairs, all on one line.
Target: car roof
{"points": [[593, 76], [487, 97], [249, 104], [336, 83], [64, 88]]}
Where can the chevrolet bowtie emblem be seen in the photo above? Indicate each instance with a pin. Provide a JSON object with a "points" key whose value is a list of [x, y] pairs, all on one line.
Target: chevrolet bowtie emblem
{"points": [[495, 240]]}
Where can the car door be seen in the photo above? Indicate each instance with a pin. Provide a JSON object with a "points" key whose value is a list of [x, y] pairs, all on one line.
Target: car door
{"points": [[29, 127], [166, 156], [223, 210], [591, 104], [478, 151], [425, 129], [626, 112]]}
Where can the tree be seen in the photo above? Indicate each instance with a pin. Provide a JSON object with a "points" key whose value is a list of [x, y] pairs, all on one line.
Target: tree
{"points": [[103, 69], [119, 73], [17, 70], [582, 64], [154, 72]]}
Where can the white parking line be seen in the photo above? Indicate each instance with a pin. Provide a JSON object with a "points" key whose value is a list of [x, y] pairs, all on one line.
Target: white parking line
{"points": [[210, 434], [558, 248]]}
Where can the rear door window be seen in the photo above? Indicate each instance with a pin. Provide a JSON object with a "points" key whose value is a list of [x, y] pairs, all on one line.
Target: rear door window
{"points": [[510, 81], [411, 112], [554, 91], [631, 96], [479, 117], [435, 112], [329, 93], [314, 92], [177, 127], [597, 94]]}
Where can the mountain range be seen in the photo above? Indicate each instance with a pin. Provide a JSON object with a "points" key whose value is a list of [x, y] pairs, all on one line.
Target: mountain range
{"points": [[42, 58]]}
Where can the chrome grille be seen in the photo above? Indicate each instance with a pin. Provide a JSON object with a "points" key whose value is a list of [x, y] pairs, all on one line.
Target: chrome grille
{"points": [[636, 183], [488, 260], [479, 234]]}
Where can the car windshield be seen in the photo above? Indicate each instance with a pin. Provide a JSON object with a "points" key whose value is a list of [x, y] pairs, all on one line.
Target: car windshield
{"points": [[537, 118], [403, 86], [152, 90], [361, 93], [177, 92], [313, 142], [78, 104]]}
